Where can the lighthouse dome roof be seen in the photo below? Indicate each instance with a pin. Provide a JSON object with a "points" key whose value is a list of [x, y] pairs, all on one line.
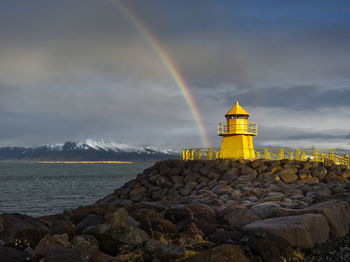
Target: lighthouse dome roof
{"points": [[237, 110]]}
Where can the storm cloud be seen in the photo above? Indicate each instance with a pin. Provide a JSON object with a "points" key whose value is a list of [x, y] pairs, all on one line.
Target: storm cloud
{"points": [[79, 69]]}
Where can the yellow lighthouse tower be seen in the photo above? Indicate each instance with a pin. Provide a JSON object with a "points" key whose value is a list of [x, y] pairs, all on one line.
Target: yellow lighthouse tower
{"points": [[237, 134]]}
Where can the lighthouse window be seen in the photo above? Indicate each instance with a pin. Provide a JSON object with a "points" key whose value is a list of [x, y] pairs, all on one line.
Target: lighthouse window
{"points": [[237, 117]]}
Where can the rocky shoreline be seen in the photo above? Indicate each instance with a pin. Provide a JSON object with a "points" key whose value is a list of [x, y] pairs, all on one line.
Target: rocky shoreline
{"points": [[203, 210]]}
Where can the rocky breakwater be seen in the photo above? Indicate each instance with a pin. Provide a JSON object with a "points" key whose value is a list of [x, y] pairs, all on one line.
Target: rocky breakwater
{"points": [[219, 210]]}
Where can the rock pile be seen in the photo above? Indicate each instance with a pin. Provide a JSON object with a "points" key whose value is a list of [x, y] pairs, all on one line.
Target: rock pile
{"points": [[218, 210]]}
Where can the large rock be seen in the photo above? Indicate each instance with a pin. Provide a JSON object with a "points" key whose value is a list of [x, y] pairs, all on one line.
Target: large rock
{"points": [[337, 214], [137, 193], [301, 231], [287, 172], [63, 226], [222, 189], [346, 173], [238, 217], [157, 226], [225, 237], [143, 214], [89, 220], [86, 246], [188, 188], [288, 177], [119, 217], [177, 179], [177, 215], [245, 170], [269, 247], [245, 179], [8, 254], [52, 245], [102, 257], [202, 212], [163, 252], [21, 228], [231, 175], [274, 196], [111, 237], [222, 253], [263, 210], [62, 255]]}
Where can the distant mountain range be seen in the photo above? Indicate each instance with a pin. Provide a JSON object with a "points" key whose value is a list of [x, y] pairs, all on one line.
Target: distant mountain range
{"points": [[88, 150]]}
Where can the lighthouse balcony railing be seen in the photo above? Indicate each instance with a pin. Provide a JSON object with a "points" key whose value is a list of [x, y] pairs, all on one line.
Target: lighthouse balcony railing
{"points": [[225, 129], [300, 154]]}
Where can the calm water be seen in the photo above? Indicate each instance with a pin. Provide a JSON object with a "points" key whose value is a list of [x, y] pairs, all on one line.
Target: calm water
{"points": [[41, 189]]}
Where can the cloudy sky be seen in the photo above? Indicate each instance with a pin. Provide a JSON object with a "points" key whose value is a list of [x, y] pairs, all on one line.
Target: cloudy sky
{"points": [[78, 69]]}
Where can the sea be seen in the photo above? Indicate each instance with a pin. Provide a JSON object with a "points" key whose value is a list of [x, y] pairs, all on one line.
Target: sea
{"points": [[41, 189]]}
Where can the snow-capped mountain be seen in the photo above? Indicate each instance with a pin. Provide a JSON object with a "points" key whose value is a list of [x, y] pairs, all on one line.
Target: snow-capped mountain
{"points": [[87, 150]]}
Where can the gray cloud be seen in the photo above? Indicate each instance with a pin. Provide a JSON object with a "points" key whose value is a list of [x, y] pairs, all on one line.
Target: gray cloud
{"points": [[80, 69], [296, 97]]}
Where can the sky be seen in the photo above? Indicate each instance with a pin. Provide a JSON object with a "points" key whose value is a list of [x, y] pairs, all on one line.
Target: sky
{"points": [[79, 69]]}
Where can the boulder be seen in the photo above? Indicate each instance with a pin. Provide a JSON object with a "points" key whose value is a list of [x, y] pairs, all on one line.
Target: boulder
{"points": [[159, 193], [225, 237], [102, 257], [157, 226], [274, 196], [143, 214], [177, 179], [52, 245], [192, 177], [222, 189], [137, 193], [337, 214], [221, 253], [287, 171], [301, 231], [269, 247], [247, 171], [245, 179], [177, 215], [22, 228], [164, 252], [86, 246], [238, 217], [231, 175], [263, 210], [189, 230], [202, 212], [8, 254], [321, 191], [63, 226], [89, 220], [62, 255], [288, 177], [258, 192], [111, 237], [188, 188], [319, 172], [346, 173], [275, 169], [131, 222], [268, 177], [119, 217]]}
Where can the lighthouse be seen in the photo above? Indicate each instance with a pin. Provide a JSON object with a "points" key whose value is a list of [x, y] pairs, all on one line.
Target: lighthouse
{"points": [[237, 134]]}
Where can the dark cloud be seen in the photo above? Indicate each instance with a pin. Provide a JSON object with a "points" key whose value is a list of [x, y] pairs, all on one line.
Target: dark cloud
{"points": [[75, 69], [298, 98]]}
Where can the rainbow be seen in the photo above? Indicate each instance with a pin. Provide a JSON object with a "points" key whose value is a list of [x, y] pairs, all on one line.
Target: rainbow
{"points": [[168, 64]]}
